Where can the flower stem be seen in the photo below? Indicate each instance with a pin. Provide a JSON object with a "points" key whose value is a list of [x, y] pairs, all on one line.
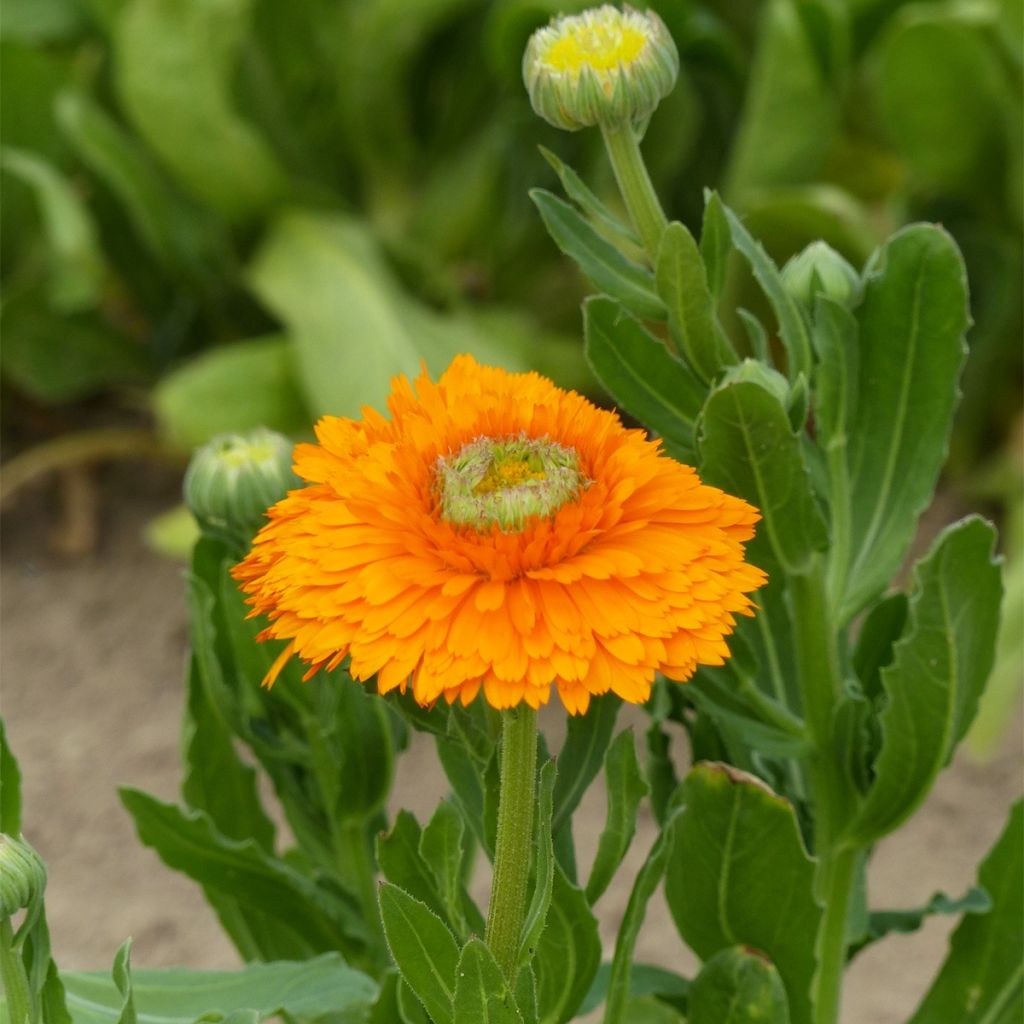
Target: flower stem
{"points": [[514, 844], [635, 185], [839, 872], [12, 973]]}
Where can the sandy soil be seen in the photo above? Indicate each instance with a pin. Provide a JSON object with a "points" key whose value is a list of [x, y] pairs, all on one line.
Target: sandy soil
{"points": [[91, 669]]}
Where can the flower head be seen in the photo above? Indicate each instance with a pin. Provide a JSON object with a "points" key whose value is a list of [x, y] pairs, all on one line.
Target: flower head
{"points": [[602, 66], [499, 532]]}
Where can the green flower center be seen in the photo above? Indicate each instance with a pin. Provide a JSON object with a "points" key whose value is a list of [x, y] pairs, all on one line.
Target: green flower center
{"points": [[507, 481]]}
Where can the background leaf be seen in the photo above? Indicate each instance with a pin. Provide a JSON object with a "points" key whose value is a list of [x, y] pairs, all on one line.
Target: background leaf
{"points": [[737, 986], [482, 995]]}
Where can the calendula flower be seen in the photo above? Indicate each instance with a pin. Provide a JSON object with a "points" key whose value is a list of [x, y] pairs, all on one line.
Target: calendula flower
{"points": [[604, 66], [499, 532]]}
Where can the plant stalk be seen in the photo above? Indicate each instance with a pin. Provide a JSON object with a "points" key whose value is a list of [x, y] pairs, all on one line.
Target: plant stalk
{"points": [[514, 845], [12, 974], [635, 185], [839, 872]]}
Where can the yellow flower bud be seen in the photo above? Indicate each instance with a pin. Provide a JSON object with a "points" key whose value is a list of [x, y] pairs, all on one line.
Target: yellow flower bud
{"points": [[604, 66]]}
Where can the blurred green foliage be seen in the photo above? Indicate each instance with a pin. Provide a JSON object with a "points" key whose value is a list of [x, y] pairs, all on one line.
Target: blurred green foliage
{"points": [[263, 210]]}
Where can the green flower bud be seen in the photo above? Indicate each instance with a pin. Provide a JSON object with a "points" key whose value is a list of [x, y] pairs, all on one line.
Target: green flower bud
{"points": [[507, 481], [604, 66], [233, 479], [820, 270], [22, 875]]}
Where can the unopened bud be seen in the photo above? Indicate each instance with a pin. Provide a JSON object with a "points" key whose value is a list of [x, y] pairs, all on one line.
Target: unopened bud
{"points": [[604, 66], [820, 270], [233, 479], [22, 875]]}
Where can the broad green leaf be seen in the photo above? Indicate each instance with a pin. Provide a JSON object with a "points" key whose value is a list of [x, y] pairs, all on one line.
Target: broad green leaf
{"points": [[682, 283], [648, 1010], [189, 843], [544, 866], [982, 979], [582, 754], [320, 275], [235, 388], [793, 330], [441, 847], [715, 242], [626, 787], [790, 113], [602, 264], [912, 321], [585, 199], [902, 922], [482, 994], [640, 373], [568, 954], [76, 268], [423, 948], [937, 76], [10, 787], [880, 629], [939, 668], [739, 875], [644, 980], [56, 357], [402, 863], [834, 336], [620, 979], [174, 68], [748, 447], [738, 986], [179, 995]]}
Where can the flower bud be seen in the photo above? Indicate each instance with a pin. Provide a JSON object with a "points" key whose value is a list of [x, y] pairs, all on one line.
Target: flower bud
{"points": [[604, 66], [820, 270], [233, 479], [22, 875]]}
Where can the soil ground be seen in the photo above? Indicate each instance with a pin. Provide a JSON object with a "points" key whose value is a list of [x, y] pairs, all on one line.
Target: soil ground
{"points": [[91, 668]]}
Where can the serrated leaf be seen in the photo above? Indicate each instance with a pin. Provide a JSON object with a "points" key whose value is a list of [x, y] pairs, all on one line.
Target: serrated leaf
{"points": [[739, 875], [626, 787], [737, 986], [683, 286], [748, 447], [912, 322], [423, 948], [174, 68], [793, 330], [640, 373], [982, 979], [482, 993], [939, 668], [179, 995], [544, 865], [602, 264]]}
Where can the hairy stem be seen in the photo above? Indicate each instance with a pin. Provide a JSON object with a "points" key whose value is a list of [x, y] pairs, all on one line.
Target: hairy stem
{"points": [[635, 185]]}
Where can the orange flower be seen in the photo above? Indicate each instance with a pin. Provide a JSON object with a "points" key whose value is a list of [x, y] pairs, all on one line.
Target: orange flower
{"points": [[499, 532]]}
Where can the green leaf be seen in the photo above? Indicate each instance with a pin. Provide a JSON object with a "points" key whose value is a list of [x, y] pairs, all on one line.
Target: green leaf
{"points": [[59, 358], [442, 848], [902, 922], [603, 265], [41, 21], [792, 328], [648, 1010], [640, 373], [423, 948], [939, 668], [568, 954], [834, 335], [912, 323], [235, 388], [585, 199], [982, 980], [174, 69], [621, 982], [321, 275], [626, 787], [402, 863], [748, 447], [189, 843], [10, 787], [544, 866], [76, 269], [582, 754], [789, 117], [739, 875], [178, 995], [482, 994], [738, 986], [715, 242], [683, 286]]}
